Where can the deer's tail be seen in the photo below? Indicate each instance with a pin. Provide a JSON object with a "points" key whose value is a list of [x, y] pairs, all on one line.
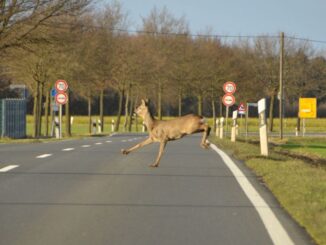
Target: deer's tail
{"points": [[203, 120]]}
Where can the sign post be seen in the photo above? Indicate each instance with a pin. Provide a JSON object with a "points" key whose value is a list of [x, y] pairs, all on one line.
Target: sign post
{"points": [[61, 98], [307, 109], [228, 99], [262, 127], [241, 111], [247, 116]]}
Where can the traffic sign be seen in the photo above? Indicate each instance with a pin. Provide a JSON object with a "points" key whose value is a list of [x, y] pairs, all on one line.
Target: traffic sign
{"points": [[61, 85], [307, 108], [53, 92], [61, 98], [229, 87], [242, 109], [228, 100]]}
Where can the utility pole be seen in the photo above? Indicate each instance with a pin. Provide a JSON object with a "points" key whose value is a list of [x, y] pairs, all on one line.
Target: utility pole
{"points": [[281, 82]]}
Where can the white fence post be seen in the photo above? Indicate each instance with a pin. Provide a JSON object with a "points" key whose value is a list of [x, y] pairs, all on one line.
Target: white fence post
{"points": [[263, 127], [217, 130], [221, 127], [234, 124]]}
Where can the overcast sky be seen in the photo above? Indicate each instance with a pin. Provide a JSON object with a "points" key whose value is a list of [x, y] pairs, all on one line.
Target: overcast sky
{"points": [[302, 18]]}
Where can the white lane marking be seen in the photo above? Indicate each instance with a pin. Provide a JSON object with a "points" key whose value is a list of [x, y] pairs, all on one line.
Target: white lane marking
{"points": [[8, 168], [68, 149], [44, 156], [85, 146], [108, 141], [98, 143], [275, 229]]}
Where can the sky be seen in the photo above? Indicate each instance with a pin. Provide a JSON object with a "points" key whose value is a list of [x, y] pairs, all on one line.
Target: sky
{"points": [[301, 18]]}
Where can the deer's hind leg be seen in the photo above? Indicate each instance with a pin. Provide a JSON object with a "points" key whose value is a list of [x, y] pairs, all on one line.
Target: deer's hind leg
{"points": [[207, 129]]}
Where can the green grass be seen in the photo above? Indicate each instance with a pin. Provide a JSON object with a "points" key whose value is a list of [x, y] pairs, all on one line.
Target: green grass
{"points": [[311, 147], [299, 186]]}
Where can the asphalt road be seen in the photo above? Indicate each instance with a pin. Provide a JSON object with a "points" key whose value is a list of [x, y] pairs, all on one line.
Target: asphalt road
{"points": [[86, 192]]}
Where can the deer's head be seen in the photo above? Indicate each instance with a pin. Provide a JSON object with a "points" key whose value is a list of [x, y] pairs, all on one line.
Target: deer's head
{"points": [[142, 109]]}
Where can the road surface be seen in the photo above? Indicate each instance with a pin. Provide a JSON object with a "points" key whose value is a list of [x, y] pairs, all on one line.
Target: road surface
{"points": [[86, 192]]}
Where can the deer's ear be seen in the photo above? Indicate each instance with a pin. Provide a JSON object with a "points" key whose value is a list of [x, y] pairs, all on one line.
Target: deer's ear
{"points": [[143, 102]]}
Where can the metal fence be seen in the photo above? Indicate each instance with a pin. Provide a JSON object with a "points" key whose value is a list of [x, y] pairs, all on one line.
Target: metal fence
{"points": [[13, 118]]}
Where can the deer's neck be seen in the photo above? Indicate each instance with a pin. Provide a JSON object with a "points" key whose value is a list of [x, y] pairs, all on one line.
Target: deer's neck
{"points": [[149, 121]]}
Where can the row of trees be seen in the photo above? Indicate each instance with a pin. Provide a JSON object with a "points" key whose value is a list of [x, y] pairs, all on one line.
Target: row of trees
{"points": [[164, 62]]}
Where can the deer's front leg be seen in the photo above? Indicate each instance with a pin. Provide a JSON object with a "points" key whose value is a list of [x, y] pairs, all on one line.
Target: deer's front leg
{"points": [[157, 162], [141, 144]]}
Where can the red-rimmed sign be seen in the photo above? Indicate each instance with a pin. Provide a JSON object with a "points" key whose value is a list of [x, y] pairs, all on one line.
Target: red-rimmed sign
{"points": [[229, 87], [61, 98], [61, 85], [228, 100], [242, 108]]}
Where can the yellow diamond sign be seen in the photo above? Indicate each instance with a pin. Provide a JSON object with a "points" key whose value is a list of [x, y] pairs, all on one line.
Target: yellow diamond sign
{"points": [[307, 107]]}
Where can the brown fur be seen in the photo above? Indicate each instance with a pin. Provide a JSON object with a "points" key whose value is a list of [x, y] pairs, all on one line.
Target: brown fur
{"points": [[164, 131]]}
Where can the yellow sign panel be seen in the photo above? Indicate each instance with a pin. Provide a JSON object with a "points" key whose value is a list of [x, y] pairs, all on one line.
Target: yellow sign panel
{"points": [[307, 107]]}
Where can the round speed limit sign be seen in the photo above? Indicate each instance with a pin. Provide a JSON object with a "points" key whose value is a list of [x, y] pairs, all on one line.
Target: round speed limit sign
{"points": [[229, 87], [61, 85]]}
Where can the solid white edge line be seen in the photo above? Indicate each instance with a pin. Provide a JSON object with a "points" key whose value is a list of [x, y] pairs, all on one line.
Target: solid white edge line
{"points": [[44, 156], [273, 226], [8, 168]]}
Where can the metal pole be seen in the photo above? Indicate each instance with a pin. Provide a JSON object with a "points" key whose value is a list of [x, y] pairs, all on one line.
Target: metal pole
{"points": [[246, 120], [281, 82], [60, 121], [226, 118]]}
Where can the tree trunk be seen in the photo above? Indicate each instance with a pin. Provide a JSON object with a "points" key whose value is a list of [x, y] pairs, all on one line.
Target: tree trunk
{"points": [[271, 113], [46, 112], [200, 104], [89, 114], [221, 107], [214, 114], [298, 123], [102, 109], [125, 124], [68, 125], [159, 101], [117, 124], [40, 106], [180, 103], [35, 113], [131, 111]]}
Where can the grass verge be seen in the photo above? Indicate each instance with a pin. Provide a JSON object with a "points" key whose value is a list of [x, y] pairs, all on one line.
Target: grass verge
{"points": [[299, 186]]}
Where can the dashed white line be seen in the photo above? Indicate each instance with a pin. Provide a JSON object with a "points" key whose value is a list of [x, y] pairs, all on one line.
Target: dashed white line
{"points": [[8, 168], [44, 156], [98, 143], [108, 141], [85, 146], [68, 149]]}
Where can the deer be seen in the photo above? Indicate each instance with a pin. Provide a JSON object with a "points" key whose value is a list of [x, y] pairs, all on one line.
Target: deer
{"points": [[163, 131]]}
